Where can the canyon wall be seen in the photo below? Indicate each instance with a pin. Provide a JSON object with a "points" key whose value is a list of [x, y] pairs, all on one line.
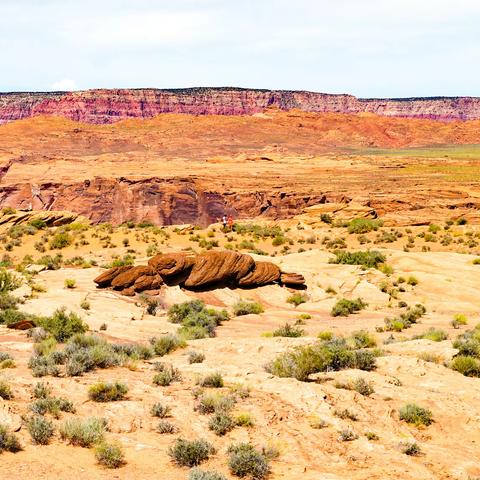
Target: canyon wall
{"points": [[108, 106], [161, 201]]}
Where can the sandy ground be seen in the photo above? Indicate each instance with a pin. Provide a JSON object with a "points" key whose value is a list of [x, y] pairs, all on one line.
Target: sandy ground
{"points": [[282, 408]]}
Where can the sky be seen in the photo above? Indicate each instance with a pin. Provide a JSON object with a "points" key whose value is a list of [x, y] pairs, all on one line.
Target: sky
{"points": [[368, 48]]}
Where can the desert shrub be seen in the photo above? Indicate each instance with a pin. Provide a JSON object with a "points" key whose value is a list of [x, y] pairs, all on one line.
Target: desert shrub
{"points": [[459, 319], [406, 319], [412, 281], [244, 419], [40, 429], [61, 240], [45, 347], [410, 448], [431, 357], [363, 225], [164, 426], [297, 298], [41, 390], [5, 356], [107, 392], [195, 357], [5, 390], [366, 259], [213, 380], [245, 460], [345, 414], [186, 453], [325, 335], [196, 320], [433, 334], [221, 423], [197, 474], [63, 325], [8, 281], [363, 387], [412, 413], [245, 307], [167, 344], [363, 339], [160, 410], [70, 283], [372, 436], [347, 435], [288, 331], [466, 365], [214, 402], [329, 355], [109, 455], [166, 374], [238, 390], [8, 441], [83, 432], [344, 307]]}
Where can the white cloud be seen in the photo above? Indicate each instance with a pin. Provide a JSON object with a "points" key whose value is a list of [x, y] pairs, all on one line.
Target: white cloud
{"points": [[65, 84]]}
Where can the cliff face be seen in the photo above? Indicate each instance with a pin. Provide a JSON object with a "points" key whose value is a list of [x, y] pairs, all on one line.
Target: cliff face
{"points": [[162, 201], [108, 106]]}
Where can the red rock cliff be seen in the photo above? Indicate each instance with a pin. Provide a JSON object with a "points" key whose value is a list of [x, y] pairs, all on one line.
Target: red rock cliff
{"points": [[108, 106]]}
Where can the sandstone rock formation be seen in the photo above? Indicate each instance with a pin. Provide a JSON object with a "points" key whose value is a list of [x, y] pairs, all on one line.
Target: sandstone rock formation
{"points": [[108, 106], [205, 270]]}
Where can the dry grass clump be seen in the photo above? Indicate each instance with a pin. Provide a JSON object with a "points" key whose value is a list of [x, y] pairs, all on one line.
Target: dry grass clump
{"points": [[107, 392]]}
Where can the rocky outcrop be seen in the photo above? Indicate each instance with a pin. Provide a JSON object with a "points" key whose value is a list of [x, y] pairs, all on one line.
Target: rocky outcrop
{"points": [[162, 201], [50, 219], [108, 106], [196, 272]]}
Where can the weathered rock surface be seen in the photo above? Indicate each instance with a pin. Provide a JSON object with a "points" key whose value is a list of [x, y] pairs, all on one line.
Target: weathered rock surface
{"points": [[207, 269], [128, 277], [105, 279], [171, 264], [216, 267], [108, 106], [262, 274]]}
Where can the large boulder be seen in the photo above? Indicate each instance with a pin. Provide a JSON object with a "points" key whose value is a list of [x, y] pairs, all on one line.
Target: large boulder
{"points": [[148, 282], [171, 264], [127, 278], [219, 267], [263, 273], [293, 279], [105, 279]]}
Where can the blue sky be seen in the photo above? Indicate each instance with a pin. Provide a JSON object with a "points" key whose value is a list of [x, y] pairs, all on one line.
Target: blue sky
{"points": [[369, 48]]}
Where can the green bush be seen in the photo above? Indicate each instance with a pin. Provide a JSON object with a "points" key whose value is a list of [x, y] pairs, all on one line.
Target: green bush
{"points": [[70, 283], [164, 426], [297, 298], [109, 455], [363, 387], [347, 435], [186, 453], [410, 448], [195, 357], [213, 380], [8, 281], [166, 375], [363, 225], [366, 259], [245, 307], [83, 432], [61, 240], [214, 402], [244, 460], [363, 339], [160, 410], [433, 334], [244, 419], [8, 441], [344, 307], [196, 320], [107, 392], [412, 413], [40, 429], [221, 423], [167, 344], [5, 390], [288, 331], [328, 355], [197, 474], [466, 365], [52, 405], [63, 325], [406, 319]]}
